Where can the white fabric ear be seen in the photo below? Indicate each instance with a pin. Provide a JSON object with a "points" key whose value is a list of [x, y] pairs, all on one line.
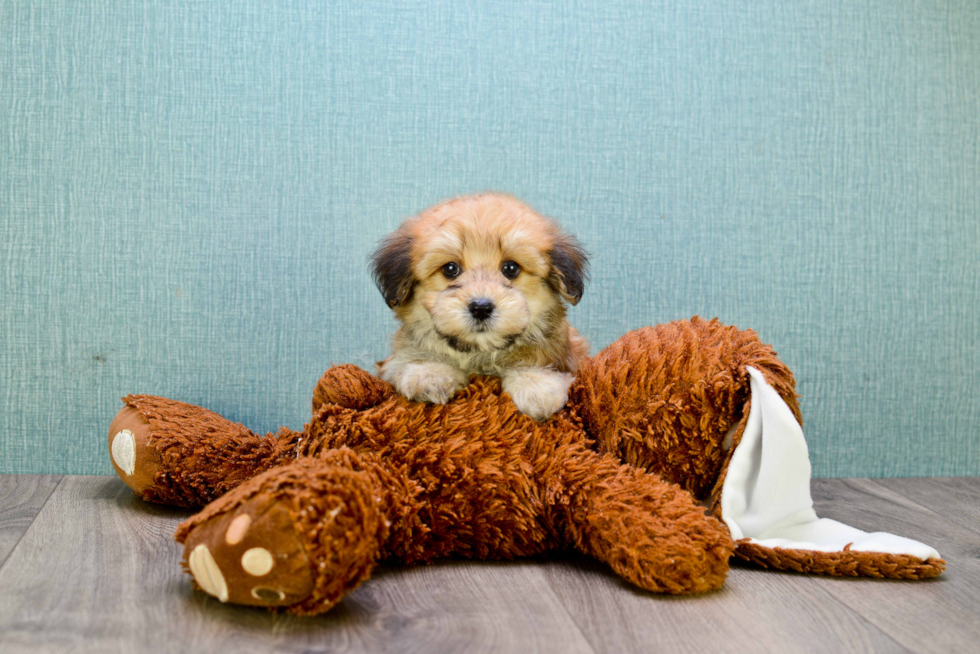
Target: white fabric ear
{"points": [[766, 493]]}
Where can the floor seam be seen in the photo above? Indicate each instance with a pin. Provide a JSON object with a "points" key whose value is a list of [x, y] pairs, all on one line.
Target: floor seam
{"points": [[561, 603], [864, 619], [954, 518], [30, 526], [858, 608]]}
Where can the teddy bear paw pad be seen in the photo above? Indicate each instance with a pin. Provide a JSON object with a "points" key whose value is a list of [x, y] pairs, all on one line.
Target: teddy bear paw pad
{"points": [[207, 573], [257, 561], [135, 460], [251, 555], [123, 450]]}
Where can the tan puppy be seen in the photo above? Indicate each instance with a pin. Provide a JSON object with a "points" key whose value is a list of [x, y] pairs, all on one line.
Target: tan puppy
{"points": [[480, 285]]}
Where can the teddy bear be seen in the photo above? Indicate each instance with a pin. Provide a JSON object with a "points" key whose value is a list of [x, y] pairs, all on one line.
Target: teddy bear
{"points": [[680, 446]]}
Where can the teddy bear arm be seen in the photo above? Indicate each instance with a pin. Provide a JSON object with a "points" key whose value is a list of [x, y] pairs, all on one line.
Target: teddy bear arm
{"points": [[183, 455], [650, 532], [350, 387]]}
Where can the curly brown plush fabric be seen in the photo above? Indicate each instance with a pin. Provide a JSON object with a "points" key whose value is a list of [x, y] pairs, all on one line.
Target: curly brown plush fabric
{"points": [[663, 398], [847, 563], [297, 519], [199, 455]]}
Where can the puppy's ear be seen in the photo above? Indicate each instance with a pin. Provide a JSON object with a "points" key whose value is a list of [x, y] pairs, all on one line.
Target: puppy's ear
{"points": [[391, 267], [569, 268]]}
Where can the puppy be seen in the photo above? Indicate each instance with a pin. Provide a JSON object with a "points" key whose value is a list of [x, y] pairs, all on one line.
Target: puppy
{"points": [[480, 285]]}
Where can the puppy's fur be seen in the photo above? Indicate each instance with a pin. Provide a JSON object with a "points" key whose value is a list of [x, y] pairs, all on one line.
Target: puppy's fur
{"points": [[449, 275]]}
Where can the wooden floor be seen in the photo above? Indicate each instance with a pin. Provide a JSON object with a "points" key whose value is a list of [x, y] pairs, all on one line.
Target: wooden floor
{"points": [[86, 567]]}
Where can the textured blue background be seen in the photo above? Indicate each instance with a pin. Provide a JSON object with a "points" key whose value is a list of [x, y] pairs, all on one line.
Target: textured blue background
{"points": [[189, 191]]}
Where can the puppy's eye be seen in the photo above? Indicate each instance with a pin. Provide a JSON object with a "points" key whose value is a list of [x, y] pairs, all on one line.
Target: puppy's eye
{"points": [[510, 269], [451, 270]]}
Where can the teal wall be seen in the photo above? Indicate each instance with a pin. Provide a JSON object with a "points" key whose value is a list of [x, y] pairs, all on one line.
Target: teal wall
{"points": [[189, 192]]}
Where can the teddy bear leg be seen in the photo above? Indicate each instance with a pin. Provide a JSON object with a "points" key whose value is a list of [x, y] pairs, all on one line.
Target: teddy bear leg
{"points": [[650, 532], [665, 398], [297, 537], [179, 454]]}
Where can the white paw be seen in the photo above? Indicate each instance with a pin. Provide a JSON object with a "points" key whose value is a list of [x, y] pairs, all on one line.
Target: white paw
{"points": [[428, 381], [537, 392]]}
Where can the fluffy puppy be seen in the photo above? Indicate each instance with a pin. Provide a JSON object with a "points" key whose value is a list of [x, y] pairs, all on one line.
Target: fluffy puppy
{"points": [[480, 285]]}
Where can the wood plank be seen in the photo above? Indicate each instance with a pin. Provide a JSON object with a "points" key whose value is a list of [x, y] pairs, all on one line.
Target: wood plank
{"points": [[459, 607], [955, 498], [98, 571], [776, 611], [755, 611], [941, 614], [21, 498]]}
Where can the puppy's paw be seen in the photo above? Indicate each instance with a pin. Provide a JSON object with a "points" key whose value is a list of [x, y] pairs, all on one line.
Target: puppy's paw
{"points": [[427, 381], [537, 392]]}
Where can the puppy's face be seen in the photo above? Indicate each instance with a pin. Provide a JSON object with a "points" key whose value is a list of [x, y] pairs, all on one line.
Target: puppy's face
{"points": [[481, 273]]}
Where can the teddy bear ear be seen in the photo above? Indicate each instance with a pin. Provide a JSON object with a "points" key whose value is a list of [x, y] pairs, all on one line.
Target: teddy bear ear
{"points": [[391, 267], [569, 268]]}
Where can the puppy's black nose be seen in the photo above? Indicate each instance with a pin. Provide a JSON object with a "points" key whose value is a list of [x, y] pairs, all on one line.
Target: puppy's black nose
{"points": [[481, 308]]}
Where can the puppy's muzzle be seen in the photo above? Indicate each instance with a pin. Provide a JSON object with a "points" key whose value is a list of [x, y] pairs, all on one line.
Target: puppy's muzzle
{"points": [[481, 308]]}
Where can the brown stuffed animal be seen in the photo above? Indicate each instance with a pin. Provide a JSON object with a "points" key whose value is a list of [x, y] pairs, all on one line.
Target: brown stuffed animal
{"points": [[298, 519]]}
